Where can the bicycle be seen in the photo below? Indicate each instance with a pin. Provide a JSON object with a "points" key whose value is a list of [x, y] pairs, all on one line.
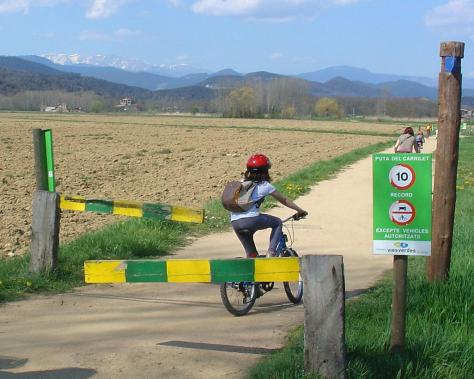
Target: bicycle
{"points": [[239, 297]]}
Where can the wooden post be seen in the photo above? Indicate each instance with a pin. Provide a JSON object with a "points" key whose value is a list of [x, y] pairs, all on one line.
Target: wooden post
{"points": [[40, 160], [399, 295], [44, 231], [46, 213], [323, 297], [444, 195]]}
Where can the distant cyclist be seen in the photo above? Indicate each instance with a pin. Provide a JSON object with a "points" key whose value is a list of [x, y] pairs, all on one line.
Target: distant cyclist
{"points": [[246, 223], [420, 140], [406, 142]]}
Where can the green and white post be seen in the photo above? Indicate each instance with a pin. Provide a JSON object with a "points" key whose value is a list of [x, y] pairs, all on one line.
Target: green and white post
{"points": [[45, 224], [401, 222], [44, 160], [48, 142]]}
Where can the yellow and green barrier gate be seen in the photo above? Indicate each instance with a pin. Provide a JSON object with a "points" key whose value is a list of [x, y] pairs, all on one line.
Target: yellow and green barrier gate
{"points": [[117, 207], [132, 209], [192, 270]]}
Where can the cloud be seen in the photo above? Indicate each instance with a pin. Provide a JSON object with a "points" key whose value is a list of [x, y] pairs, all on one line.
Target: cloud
{"points": [[88, 35], [454, 13], [12, 6], [176, 3], [455, 16], [125, 33], [276, 56], [270, 10], [48, 35], [100, 9], [118, 35], [182, 58]]}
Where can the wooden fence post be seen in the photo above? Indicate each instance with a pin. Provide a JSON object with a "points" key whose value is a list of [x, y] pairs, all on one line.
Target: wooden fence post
{"points": [[44, 231], [324, 297], [444, 193]]}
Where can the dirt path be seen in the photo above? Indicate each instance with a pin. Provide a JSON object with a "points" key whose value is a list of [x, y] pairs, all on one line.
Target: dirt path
{"points": [[180, 330]]}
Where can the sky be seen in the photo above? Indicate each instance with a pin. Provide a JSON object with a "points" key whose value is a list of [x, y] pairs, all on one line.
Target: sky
{"points": [[283, 36]]}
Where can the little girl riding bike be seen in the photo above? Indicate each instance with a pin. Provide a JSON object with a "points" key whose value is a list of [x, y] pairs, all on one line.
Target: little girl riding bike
{"points": [[246, 223]]}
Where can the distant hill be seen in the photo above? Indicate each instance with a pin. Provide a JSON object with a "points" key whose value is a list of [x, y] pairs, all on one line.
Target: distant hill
{"points": [[23, 65], [366, 76], [406, 88], [132, 65], [237, 80], [223, 82], [144, 80], [357, 74], [17, 75], [346, 88], [36, 73], [226, 72], [468, 101], [193, 93]]}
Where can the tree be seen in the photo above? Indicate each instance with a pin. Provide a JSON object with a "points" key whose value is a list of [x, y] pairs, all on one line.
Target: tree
{"points": [[241, 103], [326, 107], [282, 93], [97, 106], [194, 109], [288, 112]]}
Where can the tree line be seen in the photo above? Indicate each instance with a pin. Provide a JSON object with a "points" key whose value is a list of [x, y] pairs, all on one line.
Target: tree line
{"points": [[283, 97]]}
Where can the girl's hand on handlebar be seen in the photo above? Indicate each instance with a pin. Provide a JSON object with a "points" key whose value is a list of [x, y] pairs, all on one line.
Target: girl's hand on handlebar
{"points": [[300, 215]]}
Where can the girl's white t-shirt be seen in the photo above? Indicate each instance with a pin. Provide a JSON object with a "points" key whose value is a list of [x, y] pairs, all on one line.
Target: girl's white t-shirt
{"points": [[261, 190]]}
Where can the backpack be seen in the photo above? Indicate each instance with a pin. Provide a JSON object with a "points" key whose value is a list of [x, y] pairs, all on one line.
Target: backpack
{"points": [[236, 196]]}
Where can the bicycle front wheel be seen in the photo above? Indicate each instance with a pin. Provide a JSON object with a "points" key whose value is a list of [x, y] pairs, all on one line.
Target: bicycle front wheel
{"points": [[238, 297], [294, 290]]}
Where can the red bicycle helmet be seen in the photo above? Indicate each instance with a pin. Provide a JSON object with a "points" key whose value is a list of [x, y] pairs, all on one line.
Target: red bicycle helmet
{"points": [[258, 163]]}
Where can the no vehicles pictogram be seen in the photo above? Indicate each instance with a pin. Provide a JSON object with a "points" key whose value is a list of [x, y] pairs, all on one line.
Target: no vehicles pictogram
{"points": [[402, 212]]}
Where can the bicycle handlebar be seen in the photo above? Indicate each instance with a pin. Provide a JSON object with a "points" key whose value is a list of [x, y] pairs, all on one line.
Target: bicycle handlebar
{"points": [[293, 217]]}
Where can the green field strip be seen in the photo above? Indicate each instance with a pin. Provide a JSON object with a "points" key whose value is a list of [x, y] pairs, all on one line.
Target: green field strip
{"points": [[189, 270], [132, 209], [264, 128]]}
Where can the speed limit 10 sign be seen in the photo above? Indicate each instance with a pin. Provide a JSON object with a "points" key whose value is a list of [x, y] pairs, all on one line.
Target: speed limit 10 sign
{"points": [[402, 176], [402, 204]]}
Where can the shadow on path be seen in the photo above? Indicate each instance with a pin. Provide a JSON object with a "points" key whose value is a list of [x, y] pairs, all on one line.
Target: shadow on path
{"points": [[8, 363], [218, 347]]}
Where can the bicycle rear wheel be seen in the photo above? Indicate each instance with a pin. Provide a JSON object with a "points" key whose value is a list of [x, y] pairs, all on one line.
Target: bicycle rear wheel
{"points": [[238, 297], [294, 290]]}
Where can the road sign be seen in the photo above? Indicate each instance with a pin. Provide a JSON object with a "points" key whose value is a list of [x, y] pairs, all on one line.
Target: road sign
{"points": [[402, 204], [402, 176], [402, 212]]}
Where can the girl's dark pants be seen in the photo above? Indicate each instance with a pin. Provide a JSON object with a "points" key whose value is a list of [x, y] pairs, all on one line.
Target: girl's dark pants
{"points": [[252, 224]]}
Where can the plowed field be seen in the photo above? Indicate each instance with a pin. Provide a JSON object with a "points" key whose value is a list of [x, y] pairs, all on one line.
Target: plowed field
{"points": [[174, 160]]}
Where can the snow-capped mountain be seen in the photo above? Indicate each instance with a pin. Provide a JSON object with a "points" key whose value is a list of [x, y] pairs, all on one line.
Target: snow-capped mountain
{"points": [[133, 65]]}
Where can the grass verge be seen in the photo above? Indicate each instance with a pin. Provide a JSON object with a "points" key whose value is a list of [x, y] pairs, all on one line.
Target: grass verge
{"points": [[440, 326], [142, 238]]}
